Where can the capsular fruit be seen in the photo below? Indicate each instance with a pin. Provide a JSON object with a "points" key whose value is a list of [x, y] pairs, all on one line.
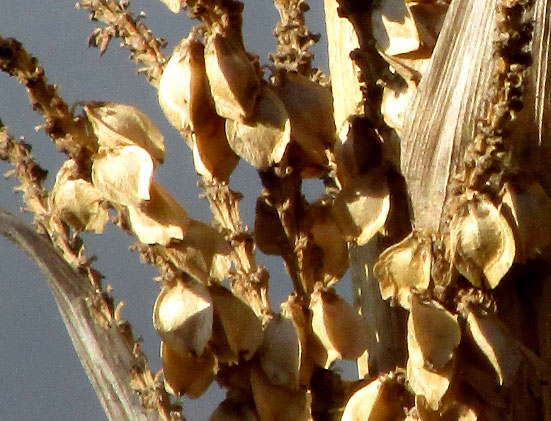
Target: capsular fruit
{"points": [[378, 401], [231, 410], [182, 316], [482, 242]]}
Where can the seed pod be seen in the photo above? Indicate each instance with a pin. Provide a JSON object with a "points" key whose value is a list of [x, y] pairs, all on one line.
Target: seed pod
{"points": [[528, 209], [203, 252], [361, 208], [404, 266], [394, 28], [310, 108], [175, 6], [432, 385], [482, 243], [77, 201], [378, 401], [230, 410], [281, 352], [263, 139], [498, 346], [160, 220], [124, 175], [212, 155], [338, 326], [242, 328], [274, 403], [233, 79], [117, 125], [435, 330], [269, 234], [182, 316], [185, 373]]}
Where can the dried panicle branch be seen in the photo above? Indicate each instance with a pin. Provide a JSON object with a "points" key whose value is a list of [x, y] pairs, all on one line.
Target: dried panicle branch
{"points": [[144, 47]]}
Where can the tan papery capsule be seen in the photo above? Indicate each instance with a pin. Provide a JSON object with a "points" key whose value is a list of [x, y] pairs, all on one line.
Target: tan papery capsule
{"points": [[482, 242], [310, 108], [404, 266], [269, 234], [160, 220], [263, 138], [431, 385], [528, 209], [232, 77], [498, 346], [338, 326], [378, 401], [118, 125], [182, 316], [77, 201], [203, 252], [281, 352], [124, 175], [275, 403], [242, 328], [361, 208], [185, 373], [212, 156], [175, 6], [230, 410]]}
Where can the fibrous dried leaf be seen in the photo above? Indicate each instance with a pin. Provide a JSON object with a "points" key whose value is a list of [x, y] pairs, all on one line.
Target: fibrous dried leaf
{"points": [[263, 138], [482, 242], [159, 220], [185, 373], [338, 326], [77, 201], [117, 125], [182, 316], [233, 80], [404, 266], [124, 175]]}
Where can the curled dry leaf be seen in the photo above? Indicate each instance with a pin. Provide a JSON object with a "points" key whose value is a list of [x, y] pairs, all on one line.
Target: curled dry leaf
{"points": [[361, 208], [528, 209], [281, 352], [436, 331], [394, 28], [431, 385], [378, 401], [185, 373], [230, 410], [263, 138], [232, 77], [498, 346], [482, 242], [241, 327], [182, 316], [275, 403], [338, 326], [310, 108], [404, 266], [118, 125], [160, 220], [77, 201], [124, 175], [204, 253]]}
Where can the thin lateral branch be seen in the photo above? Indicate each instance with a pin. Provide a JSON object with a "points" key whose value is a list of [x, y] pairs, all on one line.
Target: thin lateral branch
{"points": [[144, 47], [68, 133], [250, 281], [89, 313]]}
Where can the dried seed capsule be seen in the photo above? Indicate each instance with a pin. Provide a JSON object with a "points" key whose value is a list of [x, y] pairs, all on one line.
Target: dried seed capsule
{"points": [[77, 201], [230, 410], [263, 138], [185, 373], [338, 326], [394, 28], [378, 401], [117, 125], [482, 243], [281, 352], [160, 220], [404, 266], [124, 175], [233, 79], [182, 316], [241, 326]]}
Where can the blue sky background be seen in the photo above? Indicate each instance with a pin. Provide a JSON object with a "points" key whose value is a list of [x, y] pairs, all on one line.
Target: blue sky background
{"points": [[40, 375]]}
